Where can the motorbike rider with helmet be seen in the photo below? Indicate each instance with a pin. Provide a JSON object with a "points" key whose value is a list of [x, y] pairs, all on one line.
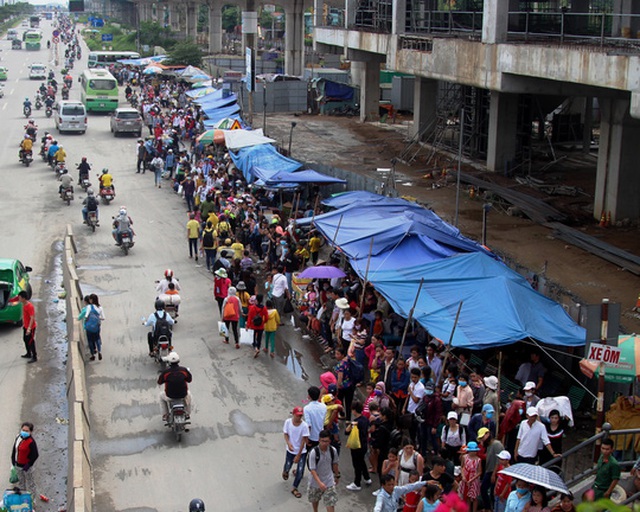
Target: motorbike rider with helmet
{"points": [[163, 285], [121, 224], [83, 170], [26, 145], [26, 105], [152, 335], [43, 90], [106, 180], [49, 101], [196, 505], [66, 182], [61, 155], [31, 129], [176, 386], [90, 204], [53, 149]]}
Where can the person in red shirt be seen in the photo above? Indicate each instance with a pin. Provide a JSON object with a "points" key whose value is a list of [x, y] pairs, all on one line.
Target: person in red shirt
{"points": [[258, 316], [23, 456], [28, 327]]}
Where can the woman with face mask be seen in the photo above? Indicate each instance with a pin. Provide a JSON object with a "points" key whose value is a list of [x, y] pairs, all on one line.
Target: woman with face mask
{"points": [[518, 498], [463, 401], [23, 456], [530, 397]]}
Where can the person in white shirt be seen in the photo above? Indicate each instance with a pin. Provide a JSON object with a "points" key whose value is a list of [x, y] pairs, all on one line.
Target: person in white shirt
{"points": [[531, 434], [279, 290], [296, 436], [416, 393]]}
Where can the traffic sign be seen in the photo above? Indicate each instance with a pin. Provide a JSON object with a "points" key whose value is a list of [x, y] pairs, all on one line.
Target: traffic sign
{"points": [[56, 33], [606, 354], [55, 40], [107, 37]]}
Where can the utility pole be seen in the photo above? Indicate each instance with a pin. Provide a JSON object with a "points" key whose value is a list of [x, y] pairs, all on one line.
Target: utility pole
{"points": [[249, 29]]}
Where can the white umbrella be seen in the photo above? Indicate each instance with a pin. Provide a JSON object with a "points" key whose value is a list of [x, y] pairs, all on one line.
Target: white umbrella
{"points": [[537, 475]]}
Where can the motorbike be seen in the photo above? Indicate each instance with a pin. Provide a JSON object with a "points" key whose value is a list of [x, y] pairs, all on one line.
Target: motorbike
{"points": [[127, 243], [177, 419], [26, 111], [59, 169], [48, 111], [65, 93], [133, 100], [107, 194], [38, 104], [67, 195], [171, 305], [27, 157], [68, 82], [85, 184], [92, 220]]}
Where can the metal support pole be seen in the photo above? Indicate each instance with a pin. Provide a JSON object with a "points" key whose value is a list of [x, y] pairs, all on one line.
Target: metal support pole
{"points": [[461, 124], [604, 329], [410, 317], [293, 125], [485, 210], [448, 351]]}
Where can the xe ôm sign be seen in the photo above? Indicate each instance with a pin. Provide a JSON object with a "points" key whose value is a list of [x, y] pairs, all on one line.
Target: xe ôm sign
{"points": [[608, 355]]}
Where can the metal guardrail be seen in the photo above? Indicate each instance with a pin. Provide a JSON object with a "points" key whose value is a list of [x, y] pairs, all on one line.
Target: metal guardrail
{"points": [[599, 29]]}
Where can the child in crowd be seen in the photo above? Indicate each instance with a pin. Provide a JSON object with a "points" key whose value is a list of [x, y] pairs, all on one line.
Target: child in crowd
{"points": [[270, 328], [471, 466], [412, 498], [431, 500]]}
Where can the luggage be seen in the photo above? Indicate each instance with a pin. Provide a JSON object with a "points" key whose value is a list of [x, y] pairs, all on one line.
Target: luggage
{"points": [[17, 501]]}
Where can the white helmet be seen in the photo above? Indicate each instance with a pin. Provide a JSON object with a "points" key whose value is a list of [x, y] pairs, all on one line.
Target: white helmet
{"points": [[173, 358]]}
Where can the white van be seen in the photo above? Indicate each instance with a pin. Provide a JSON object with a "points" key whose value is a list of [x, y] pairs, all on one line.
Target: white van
{"points": [[71, 116], [12, 33]]}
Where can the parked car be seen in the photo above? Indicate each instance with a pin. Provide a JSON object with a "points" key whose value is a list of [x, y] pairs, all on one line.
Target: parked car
{"points": [[38, 71], [3, 73], [14, 277], [126, 120]]}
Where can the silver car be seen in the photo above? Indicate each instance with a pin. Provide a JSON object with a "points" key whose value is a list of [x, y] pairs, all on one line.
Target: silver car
{"points": [[126, 120]]}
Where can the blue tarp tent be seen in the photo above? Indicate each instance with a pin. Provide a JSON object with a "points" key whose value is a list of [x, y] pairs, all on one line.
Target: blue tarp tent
{"points": [[411, 243], [210, 123], [217, 114], [265, 157], [359, 196], [499, 306], [218, 103], [304, 176], [215, 95]]}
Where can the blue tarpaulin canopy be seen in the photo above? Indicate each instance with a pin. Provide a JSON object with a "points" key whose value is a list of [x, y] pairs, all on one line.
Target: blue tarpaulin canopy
{"points": [[304, 176], [142, 61], [217, 114], [411, 243], [265, 157], [218, 103], [216, 118]]}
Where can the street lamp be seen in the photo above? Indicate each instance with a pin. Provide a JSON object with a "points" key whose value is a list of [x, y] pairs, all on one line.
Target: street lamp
{"points": [[293, 125]]}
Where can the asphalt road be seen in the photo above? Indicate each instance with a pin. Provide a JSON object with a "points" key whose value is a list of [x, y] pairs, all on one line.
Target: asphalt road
{"points": [[232, 457]]}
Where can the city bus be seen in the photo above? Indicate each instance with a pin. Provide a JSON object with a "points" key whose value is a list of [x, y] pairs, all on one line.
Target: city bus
{"points": [[104, 59], [34, 21], [99, 90], [32, 39]]}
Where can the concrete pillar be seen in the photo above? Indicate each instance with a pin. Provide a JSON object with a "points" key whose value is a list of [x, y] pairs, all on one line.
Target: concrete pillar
{"points": [[350, 7], [294, 39], [625, 26], [215, 27], [617, 179], [425, 106], [399, 18], [370, 91], [318, 11], [501, 145], [191, 30], [175, 16], [495, 21], [357, 73]]}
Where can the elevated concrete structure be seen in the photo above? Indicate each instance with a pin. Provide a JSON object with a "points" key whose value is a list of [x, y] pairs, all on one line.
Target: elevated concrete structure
{"points": [[492, 59]]}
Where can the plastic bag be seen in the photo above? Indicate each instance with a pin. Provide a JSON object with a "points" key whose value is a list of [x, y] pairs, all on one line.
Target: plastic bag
{"points": [[353, 441], [13, 477], [222, 329]]}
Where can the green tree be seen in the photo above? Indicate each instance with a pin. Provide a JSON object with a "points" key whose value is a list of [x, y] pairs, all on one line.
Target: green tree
{"points": [[154, 34], [186, 53], [231, 17]]}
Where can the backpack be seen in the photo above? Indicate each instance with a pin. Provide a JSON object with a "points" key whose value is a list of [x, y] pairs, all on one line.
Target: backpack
{"points": [[395, 438], [162, 327], [223, 229], [356, 370], [207, 239], [92, 320], [316, 451], [229, 311], [92, 204], [258, 321]]}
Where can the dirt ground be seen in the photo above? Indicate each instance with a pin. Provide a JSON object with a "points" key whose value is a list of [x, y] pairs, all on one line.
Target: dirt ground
{"points": [[576, 275]]}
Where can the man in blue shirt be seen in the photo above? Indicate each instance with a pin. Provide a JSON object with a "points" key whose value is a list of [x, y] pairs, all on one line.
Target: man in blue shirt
{"points": [[314, 413], [390, 493]]}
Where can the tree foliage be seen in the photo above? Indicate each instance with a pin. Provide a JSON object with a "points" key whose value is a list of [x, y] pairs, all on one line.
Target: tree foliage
{"points": [[231, 17], [186, 53], [19, 9], [154, 34]]}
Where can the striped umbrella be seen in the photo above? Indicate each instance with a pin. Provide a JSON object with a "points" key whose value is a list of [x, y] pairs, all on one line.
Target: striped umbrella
{"points": [[537, 475]]}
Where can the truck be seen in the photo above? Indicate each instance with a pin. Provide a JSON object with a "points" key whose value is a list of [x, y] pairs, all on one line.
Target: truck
{"points": [[34, 21]]}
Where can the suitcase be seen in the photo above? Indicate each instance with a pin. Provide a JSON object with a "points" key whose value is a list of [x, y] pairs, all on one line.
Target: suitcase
{"points": [[16, 501]]}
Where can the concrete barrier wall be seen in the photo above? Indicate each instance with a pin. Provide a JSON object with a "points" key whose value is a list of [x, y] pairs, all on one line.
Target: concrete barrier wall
{"points": [[79, 479]]}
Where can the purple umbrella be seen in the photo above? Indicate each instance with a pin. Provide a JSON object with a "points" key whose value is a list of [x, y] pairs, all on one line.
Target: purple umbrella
{"points": [[321, 272]]}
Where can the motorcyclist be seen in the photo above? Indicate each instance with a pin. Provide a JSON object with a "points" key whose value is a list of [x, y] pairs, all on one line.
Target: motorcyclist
{"points": [[152, 335], [60, 156], [43, 89], [65, 92], [25, 145], [53, 149], [31, 129], [163, 285], [106, 180], [121, 224], [90, 204], [51, 75], [176, 386], [196, 505], [83, 170], [49, 101], [66, 182], [68, 80], [48, 44], [26, 105]]}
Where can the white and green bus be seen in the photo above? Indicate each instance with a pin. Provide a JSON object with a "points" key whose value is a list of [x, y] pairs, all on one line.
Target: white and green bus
{"points": [[104, 59], [32, 39], [99, 90]]}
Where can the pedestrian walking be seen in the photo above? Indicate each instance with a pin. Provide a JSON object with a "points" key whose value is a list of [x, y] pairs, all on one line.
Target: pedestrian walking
{"points": [[209, 246], [23, 457], [141, 153], [92, 317], [157, 164], [296, 435], [270, 328], [358, 454], [258, 316], [221, 285], [314, 414], [29, 326], [325, 472], [231, 315], [193, 235]]}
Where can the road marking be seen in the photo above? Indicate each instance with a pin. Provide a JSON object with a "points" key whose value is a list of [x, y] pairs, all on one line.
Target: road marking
{"points": [[11, 92], [4, 107]]}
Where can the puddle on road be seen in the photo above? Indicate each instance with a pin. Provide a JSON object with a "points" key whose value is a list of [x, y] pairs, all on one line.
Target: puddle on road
{"points": [[95, 267], [242, 425], [88, 289]]}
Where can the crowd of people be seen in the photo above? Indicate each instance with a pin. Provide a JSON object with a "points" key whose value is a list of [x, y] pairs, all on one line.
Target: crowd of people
{"points": [[426, 424]]}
